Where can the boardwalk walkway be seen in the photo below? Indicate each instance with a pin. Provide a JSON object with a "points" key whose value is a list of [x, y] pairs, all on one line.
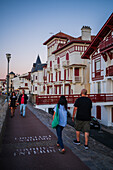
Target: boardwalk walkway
{"points": [[28, 144]]}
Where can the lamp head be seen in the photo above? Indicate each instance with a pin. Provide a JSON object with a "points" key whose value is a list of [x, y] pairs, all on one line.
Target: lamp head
{"points": [[8, 56]]}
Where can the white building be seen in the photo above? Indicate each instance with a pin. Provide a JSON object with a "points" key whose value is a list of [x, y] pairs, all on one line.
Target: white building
{"points": [[100, 53], [22, 82], [67, 73], [38, 78]]}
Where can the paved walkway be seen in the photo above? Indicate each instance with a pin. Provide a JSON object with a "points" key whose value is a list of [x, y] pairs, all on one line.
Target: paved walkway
{"points": [[28, 144], [97, 157]]}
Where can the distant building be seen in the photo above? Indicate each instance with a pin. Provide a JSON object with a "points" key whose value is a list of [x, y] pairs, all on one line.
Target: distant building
{"points": [[37, 79], [100, 53], [22, 82], [11, 76], [2, 85]]}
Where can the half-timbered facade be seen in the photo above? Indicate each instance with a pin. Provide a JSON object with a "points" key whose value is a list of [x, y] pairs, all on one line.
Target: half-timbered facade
{"points": [[67, 73], [100, 53]]}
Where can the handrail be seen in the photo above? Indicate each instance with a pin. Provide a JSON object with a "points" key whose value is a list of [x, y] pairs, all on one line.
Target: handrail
{"points": [[53, 99]]}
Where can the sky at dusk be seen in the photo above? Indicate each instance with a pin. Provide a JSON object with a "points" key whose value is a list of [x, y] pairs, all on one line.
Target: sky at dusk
{"points": [[26, 24]]}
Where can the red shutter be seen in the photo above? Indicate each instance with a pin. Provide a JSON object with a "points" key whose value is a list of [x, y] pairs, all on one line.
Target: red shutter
{"points": [[47, 89], [98, 112], [51, 77], [55, 89], [59, 75], [56, 76], [76, 71], [64, 74], [26, 84], [58, 60], [67, 56], [50, 63], [59, 89], [68, 74]]}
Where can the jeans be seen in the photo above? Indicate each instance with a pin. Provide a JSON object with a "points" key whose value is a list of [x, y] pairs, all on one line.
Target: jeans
{"points": [[22, 109], [59, 135]]}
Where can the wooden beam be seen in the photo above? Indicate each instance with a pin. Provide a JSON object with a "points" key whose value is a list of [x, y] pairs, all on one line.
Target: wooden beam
{"points": [[110, 26]]}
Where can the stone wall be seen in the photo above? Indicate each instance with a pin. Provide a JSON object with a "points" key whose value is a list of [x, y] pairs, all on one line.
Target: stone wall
{"points": [[3, 112]]}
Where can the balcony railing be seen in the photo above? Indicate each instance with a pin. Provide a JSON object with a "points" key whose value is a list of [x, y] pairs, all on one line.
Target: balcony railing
{"points": [[53, 99], [109, 71], [106, 43], [56, 66], [65, 63], [77, 79]]}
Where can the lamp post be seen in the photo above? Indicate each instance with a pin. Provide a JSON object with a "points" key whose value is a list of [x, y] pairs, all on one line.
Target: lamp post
{"points": [[8, 56]]}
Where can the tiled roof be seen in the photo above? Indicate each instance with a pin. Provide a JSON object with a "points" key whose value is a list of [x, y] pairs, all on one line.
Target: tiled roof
{"points": [[60, 35]]}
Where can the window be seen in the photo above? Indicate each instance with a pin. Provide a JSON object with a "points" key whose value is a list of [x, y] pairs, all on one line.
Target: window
{"points": [[36, 77], [99, 87], [76, 71], [35, 88], [97, 68], [26, 84], [97, 65]]}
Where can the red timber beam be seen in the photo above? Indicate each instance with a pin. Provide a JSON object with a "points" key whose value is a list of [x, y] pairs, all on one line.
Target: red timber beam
{"points": [[110, 26], [104, 56], [110, 55]]}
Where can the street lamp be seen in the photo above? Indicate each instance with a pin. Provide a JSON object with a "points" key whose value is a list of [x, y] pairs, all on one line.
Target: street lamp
{"points": [[8, 56]]}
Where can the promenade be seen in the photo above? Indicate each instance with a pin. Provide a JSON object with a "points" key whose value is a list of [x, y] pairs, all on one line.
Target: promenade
{"points": [[30, 143]]}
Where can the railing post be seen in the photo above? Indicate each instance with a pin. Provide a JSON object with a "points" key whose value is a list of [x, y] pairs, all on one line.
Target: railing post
{"points": [[37, 99]]}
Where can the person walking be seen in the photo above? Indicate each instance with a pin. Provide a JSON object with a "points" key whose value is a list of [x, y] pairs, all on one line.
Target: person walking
{"points": [[12, 103], [82, 109], [62, 110], [23, 102]]}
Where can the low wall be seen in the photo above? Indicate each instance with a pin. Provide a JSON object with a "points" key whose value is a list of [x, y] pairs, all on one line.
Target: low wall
{"points": [[3, 113]]}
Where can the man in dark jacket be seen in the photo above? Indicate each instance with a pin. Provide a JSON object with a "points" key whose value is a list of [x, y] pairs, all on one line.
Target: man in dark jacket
{"points": [[82, 109], [23, 102]]}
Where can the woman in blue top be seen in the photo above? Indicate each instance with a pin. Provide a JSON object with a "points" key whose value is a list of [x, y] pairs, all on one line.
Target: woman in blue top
{"points": [[62, 106]]}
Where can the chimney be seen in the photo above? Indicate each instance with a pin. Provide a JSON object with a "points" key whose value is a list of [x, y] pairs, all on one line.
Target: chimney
{"points": [[86, 33]]}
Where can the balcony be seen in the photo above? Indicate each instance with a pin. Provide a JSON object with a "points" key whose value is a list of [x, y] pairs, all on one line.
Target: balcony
{"points": [[106, 43], [49, 69], [65, 63], [53, 99], [56, 66], [77, 79], [109, 71]]}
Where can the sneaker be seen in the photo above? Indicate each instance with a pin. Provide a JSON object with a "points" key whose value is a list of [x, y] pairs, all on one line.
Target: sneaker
{"points": [[86, 147], [76, 142], [62, 151]]}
